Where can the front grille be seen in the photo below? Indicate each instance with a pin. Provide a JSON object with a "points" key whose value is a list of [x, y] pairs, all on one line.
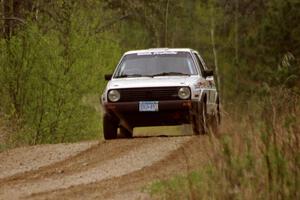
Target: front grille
{"points": [[149, 94]]}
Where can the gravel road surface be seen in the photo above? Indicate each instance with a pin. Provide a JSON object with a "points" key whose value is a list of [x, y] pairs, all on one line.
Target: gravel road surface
{"points": [[117, 169]]}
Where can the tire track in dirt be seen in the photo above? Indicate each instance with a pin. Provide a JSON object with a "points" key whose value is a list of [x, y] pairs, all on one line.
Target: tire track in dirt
{"points": [[83, 160], [189, 156], [106, 161], [21, 160]]}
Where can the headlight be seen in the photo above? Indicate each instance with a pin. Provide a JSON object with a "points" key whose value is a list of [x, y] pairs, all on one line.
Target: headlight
{"points": [[184, 93], [114, 95]]}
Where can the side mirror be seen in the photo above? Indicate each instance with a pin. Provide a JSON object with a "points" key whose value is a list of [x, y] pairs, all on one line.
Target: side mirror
{"points": [[207, 73], [107, 77]]}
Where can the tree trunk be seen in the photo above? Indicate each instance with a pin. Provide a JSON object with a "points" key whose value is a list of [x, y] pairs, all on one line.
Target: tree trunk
{"points": [[236, 30], [12, 17], [166, 23], [213, 43], [7, 22]]}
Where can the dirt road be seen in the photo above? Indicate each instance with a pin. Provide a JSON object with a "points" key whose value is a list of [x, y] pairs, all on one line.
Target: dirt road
{"points": [[117, 169]]}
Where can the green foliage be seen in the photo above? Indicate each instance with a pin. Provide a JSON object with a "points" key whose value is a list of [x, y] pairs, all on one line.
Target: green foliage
{"points": [[51, 80], [54, 54]]}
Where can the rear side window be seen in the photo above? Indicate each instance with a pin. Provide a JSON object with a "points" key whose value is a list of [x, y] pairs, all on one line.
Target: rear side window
{"points": [[199, 62]]}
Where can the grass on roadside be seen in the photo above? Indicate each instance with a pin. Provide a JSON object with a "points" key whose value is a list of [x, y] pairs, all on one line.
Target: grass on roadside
{"points": [[257, 157]]}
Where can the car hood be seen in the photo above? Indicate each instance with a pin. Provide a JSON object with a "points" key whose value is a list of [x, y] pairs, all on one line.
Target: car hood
{"points": [[140, 82]]}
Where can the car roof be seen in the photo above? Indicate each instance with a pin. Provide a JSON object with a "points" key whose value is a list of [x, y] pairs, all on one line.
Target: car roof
{"points": [[160, 50]]}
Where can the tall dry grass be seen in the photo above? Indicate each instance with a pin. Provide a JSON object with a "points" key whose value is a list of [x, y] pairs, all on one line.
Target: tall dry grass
{"points": [[257, 155]]}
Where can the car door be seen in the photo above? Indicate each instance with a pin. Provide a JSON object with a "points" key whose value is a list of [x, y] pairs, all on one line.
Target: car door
{"points": [[211, 85]]}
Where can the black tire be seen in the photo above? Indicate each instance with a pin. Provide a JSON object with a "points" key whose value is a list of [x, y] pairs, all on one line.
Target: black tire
{"points": [[125, 132], [218, 114], [110, 127], [195, 124], [202, 118]]}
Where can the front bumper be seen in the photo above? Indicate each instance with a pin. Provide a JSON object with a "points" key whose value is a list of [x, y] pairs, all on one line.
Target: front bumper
{"points": [[134, 106], [173, 112]]}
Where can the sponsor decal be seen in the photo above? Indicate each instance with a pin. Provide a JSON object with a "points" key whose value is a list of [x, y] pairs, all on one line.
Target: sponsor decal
{"points": [[157, 53]]}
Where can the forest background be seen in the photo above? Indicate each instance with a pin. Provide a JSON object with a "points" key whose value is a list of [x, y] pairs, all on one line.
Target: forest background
{"points": [[54, 53]]}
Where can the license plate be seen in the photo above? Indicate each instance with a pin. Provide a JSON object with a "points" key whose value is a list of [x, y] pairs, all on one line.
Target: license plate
{"points": [[148, 106]]}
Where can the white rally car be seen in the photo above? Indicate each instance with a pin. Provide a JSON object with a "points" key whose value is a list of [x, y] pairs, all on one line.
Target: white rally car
{"points": [[158, 87]]}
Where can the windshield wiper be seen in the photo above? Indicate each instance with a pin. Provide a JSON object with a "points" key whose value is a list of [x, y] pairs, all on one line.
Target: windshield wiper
{"points": [[160, 74], [132, 75], [171, 74]]}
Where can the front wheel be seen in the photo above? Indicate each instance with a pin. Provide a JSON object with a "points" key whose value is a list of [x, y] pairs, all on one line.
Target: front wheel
{"points": [[195, 124], [125, 132], [110, 127], [199, 119]]}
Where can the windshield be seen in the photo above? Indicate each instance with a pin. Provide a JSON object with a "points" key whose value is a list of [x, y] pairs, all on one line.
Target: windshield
{"points": [[156, 64]]}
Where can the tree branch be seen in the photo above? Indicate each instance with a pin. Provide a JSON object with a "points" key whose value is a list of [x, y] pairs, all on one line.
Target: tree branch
{"points": [[14, 18], [103, 27]]}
